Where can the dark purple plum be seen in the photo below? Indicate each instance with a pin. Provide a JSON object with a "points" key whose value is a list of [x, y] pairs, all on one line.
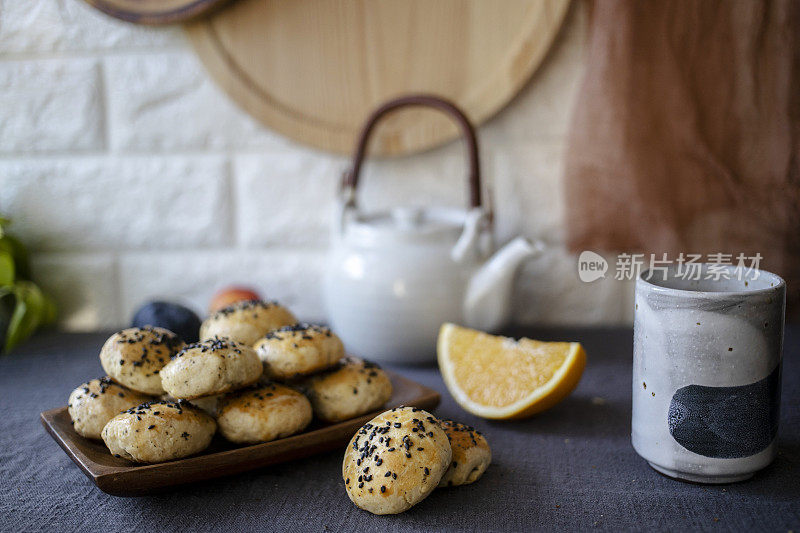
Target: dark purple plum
{"points": [[174, 317]]}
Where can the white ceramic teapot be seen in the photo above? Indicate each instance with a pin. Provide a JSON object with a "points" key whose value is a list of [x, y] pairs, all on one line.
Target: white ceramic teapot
{"points": [[394, 277]]}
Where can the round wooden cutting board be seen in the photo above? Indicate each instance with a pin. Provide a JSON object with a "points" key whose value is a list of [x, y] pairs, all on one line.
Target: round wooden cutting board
{"points": [[314, 69], [156, 11]]}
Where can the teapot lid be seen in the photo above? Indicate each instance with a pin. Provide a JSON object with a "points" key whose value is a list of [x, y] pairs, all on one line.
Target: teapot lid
{"points": [[433, 224]]}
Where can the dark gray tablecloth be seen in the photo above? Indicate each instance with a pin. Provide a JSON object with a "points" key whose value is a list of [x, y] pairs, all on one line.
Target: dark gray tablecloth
{"points": [[572, 468]]}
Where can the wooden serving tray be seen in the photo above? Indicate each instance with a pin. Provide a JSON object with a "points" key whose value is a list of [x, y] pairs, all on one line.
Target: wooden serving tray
{"points": [[122, 478]]}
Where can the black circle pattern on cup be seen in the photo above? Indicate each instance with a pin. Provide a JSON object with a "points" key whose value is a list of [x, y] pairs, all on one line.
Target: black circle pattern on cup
{"points": [[726, 422]]}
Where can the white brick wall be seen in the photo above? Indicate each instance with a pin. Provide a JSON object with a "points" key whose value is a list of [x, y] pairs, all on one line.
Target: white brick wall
{"points": [[132, 176], [285, 201], [118, 203], [48, 27], [166, 101], [50, 105]]}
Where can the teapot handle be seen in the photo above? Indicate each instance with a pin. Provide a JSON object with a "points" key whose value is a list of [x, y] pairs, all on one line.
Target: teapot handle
{"points": [[350, 178]]}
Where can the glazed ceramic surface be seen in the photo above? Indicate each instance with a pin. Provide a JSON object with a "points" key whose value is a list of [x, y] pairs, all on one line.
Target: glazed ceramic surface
{"points": [[706, 372], [395, 278]]}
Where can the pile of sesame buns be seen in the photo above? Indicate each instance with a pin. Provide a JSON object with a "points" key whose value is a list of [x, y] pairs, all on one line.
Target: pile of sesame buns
{"points": [[399, 457], [256, 375]]}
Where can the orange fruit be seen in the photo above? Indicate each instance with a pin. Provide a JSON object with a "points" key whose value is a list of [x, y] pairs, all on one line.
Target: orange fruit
{"points": [[502, 378], [229, 296]]}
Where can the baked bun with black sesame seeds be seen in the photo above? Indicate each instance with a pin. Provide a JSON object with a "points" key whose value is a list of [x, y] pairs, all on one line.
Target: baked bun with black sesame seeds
{"points": [[395, 460], [206, 403], [298, 350], [210, 367], [352, 388], [93, 404], [159, 431], [471, 454], [134, 357], [246, 321], [263, 413]]}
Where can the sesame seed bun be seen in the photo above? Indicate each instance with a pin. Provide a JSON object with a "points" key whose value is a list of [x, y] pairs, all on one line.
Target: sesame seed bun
{"points": [[134, 357], [298, 350], [263, 413], [94, 403], [395, 461], [471, 454], [210, 367], [159, 431], [246, 321], [350, 389]]}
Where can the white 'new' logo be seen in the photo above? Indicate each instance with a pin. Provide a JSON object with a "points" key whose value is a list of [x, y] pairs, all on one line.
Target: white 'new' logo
{"points": [[591, 266]]}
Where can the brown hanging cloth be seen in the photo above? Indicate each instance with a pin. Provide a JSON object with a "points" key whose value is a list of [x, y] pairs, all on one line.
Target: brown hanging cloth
{"points": [[686, 134]]}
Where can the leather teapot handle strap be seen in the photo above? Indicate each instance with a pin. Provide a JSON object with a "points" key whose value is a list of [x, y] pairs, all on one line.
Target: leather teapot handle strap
{"points": [[351, 177]]}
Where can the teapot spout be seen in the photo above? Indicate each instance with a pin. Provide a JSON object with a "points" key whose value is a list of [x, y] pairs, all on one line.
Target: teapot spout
{"points": [[487, 305]]}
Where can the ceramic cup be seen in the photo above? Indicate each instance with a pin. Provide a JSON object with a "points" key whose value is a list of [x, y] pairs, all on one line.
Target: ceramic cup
{"points": [[707, 371]]}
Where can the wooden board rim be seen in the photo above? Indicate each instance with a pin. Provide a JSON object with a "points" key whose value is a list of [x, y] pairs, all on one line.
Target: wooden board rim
{"points": [[497, 91], [186, 11]]}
